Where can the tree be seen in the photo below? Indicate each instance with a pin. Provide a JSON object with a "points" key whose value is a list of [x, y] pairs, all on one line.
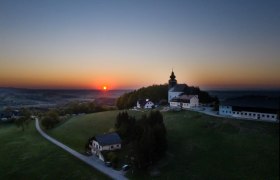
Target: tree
{"points": [[145, 138], [125, 126], [216, 104], [24, 118], [50, 119]]}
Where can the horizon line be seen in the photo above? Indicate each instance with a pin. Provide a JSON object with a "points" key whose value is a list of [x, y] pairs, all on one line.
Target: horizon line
{"points": [[131, 89]]}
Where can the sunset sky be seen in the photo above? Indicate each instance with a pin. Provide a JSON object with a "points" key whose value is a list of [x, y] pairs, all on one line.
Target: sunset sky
{"points": [[129, 44]]}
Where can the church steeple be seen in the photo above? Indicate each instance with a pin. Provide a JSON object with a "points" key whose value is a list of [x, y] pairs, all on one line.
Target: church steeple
{"points": [[172, 81], [172, 76]]}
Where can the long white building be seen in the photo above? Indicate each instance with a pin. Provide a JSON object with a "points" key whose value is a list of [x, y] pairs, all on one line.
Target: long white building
{"points": [[258, 108]]}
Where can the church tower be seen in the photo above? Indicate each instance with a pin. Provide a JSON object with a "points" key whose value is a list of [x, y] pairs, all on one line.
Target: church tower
{"points": [[172, 81]]}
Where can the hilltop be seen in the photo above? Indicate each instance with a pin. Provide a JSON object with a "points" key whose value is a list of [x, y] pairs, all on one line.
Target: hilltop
{"points": [[158, 94], [199, 146]]}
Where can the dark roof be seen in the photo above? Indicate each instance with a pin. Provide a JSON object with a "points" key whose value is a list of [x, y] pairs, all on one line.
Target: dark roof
{"points": [[180, 100], [108, 139], [254, 109], [253, 102], [179, 88], [142, 102]]}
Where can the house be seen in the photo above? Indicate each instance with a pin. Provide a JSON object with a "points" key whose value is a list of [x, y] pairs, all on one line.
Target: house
{"points": [[105, 142], [189, 101], [251, 107], [184, 102], [179, 95], [146, 104]]}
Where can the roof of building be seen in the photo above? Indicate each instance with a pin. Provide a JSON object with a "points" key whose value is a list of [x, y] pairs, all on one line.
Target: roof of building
{"points": [[142, 102], [179, 88], [108, 139], [184, 98], [253, 102], [187, 96], [180, 100]]}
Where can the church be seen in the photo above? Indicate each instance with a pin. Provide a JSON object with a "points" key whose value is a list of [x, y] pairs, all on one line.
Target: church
{"points": [[179, 96]]}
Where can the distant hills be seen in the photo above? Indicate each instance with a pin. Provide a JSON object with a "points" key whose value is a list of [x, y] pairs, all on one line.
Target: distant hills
{"points": [[17, 97]]}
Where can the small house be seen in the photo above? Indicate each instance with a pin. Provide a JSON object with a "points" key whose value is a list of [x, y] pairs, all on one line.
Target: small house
{"points": [[146, 104], [184, 102], [105, 142]]}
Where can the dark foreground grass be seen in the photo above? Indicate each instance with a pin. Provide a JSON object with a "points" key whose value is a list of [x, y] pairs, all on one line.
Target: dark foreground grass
{"points": [[204, 147], [27, 155], [200, 146]]}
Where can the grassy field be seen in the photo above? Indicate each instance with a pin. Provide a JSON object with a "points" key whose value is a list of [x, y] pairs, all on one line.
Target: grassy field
{"points": [[200, 146], [27, 155]]}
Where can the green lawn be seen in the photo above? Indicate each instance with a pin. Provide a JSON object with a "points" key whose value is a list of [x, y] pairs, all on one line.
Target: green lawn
{"points": [[200, 146], [27, 155]]}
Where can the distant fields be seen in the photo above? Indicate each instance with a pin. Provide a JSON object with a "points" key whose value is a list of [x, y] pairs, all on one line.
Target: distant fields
{"points": [[27, 155], [200, 146]]}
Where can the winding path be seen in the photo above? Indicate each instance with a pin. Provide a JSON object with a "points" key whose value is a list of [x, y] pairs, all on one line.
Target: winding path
{"points": [[90, 160]]}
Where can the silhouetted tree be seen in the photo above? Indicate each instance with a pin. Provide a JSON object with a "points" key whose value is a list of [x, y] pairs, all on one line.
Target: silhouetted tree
{"points": [[146, 137], [24, 119], [50, 119]]}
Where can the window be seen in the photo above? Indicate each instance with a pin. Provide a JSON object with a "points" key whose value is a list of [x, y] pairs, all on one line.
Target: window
{"points": [[112, 147], [249, 114], [267, 116], [241, 113], [263, 115], [246, 114]]}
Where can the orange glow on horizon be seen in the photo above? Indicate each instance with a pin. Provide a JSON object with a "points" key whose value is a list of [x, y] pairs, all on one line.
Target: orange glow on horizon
{"points": [[105, 88]]}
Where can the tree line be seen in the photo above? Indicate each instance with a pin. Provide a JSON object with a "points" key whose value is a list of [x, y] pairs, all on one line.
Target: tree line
{"points": [[158, 94]]}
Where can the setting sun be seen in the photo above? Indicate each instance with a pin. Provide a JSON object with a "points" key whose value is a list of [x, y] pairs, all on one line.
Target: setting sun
{"points": [[104, 88]]}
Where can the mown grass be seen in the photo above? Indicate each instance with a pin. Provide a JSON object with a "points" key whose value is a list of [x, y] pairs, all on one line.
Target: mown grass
{"points": [[27, 155], [77, 130], [200, 146]]}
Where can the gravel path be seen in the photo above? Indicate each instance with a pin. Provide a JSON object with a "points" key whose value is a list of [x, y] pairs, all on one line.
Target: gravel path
{"points": [[90, 160]]}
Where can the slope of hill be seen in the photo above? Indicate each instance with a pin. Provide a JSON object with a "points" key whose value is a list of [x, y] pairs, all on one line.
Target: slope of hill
{"points": [[200, 146], [27, 155]]}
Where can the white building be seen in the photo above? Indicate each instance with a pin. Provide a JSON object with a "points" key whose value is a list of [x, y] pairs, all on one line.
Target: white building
{"points": [[106, 142], [184, 102], [178, 96], [146, 104], [190, 101], [259, 108]]}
